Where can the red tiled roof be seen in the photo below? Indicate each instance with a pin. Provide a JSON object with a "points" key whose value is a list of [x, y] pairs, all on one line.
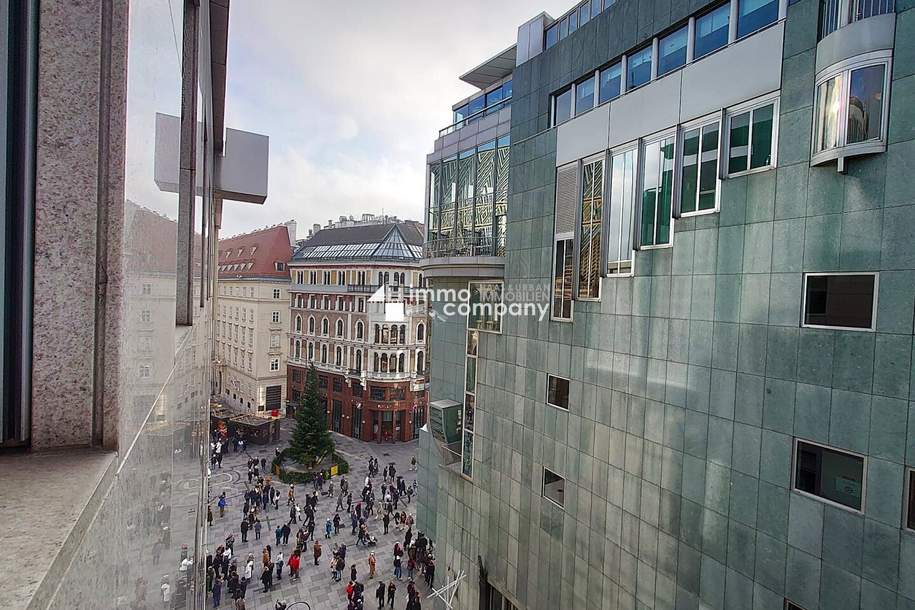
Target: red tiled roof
{"points": [[255, 254]]}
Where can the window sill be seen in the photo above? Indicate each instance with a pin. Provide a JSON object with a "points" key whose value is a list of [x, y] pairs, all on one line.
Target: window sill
{"points": [[748, 172], [850, 150], [47, 500]]}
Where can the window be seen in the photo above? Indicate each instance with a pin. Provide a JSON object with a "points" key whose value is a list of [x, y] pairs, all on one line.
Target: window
{"points": [[279, 266], [147, 288], [552, 35], [553, 487], [485, 304], [672, 51], [638, 68], [562, 106], [611, 80], [754, 15], [573, 22], [275, 317], [711, 31], [849, 109], [841, 300], [339, 328], [274, 364], [420, 332], [910, 499], [562, 279], [563, 28], [584, 96], [325, 326], [377, 393], [337, 384], [276, 293], [657, 191], [591, 214], [298, 324], [751, 136], [792, 606], [834, 475], [420, 363], [275, 341], [622, 203], [584, 14], [322, 382], [311, 325], [557, 392], [699, 169], [359, 330]]}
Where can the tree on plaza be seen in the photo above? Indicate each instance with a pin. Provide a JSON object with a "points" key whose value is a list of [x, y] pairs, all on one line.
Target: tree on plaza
{"points": [[311, 441]]}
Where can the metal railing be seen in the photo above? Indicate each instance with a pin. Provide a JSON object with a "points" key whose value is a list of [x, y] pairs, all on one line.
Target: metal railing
{"points": [[835, 14], [504, 103], [366, 288], [476, 245]]}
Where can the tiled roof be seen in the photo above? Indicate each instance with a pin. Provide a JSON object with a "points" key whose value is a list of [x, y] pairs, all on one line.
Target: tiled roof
{"points": [[255, 254]]}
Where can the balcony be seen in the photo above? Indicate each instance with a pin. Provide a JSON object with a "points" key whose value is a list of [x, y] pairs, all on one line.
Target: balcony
{"points": [[489, 110], [476, 256], [362, 288], [835, 14]]}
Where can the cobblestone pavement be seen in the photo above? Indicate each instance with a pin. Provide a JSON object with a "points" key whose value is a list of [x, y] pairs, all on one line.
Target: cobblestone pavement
{"points": [[315, 585]]}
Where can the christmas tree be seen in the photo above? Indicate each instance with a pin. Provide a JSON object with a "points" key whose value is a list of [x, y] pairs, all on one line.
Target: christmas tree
{"points": [[311, 441]]}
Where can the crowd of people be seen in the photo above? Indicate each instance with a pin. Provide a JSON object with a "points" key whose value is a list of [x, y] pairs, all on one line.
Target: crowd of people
{"points": [[229, 576]]}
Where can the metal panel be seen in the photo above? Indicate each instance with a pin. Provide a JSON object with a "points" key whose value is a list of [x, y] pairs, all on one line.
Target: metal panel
{"points": [[583, 136], [566, 200], [647, 110], [871, 34]]}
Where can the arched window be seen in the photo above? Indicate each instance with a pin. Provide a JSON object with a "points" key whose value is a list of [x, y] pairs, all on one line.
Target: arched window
{"points": [[298, 324], [358, 366], [421, 285], [311, 351], [339, 328], [396, 279], [311, 324], [325, 325], [386, 278], [359, 330], [403, 333], [375, 363], [420, 363], [377, 333], [384, 334], [400, 363], [298, 350], [403, 279], [339, 359], [324, 354], [420, 332], [384, 363], [380, 278]]}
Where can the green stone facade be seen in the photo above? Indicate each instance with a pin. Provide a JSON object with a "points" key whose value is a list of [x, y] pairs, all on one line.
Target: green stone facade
{"points": [[691, 380]]}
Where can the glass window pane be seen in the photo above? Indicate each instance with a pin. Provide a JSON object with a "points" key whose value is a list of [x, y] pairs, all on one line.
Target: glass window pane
{"points": [[610, 81], [595, 7], [708, 174], [650, 176], [591, 214], [865, 104], [558, 392], [833, 475], [460, 114], [584, 96], [467, 455], [690, 172], [910, 513], [573, 22], [761, 151], [622, 197], [828, 109], [476, 104], [553, 487], [739, 143], [638, 68], [845, 301], [494, 97], [665, 195], [563, 110], [506, 89], [755, 14], [711, 31], [584, 13], [563, 28], [672, 51], [552, 35]]}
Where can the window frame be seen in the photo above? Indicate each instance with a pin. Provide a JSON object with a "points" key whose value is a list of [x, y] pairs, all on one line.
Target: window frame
{"points": [[570, 89], [906, 507], [576, 240], [501, 293], [845, 68], [683, 27], [618, 64], [700, 124], [864, 464], [543, 487], [651, 66], [547, 397], [695, 26], [643, 143], [750, 106], [595, 94], [873, 326], [633, 147]]}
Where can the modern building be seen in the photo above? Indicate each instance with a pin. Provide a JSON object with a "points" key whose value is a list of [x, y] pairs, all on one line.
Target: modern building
{"points": [[358, 316], [252, 318], [713, 201], [115, 166]]}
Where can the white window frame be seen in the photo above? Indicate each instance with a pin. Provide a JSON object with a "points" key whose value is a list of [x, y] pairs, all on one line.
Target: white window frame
{"points": [[546, 398], [634, 222], [750, 106], [556, 94], [543, 487], [873, 326], [276, 293], [563, 237], [700, 123], [643, 144], [275, 317], [864, 465], [594, 75], [274, 365], [846, 67]]}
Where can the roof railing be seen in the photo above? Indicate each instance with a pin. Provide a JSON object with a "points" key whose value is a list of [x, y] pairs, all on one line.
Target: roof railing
{"points": [[503, 103]]}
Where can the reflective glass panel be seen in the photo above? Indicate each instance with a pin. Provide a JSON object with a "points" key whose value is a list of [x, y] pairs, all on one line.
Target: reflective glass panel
{"points": [[711, 31], [610, 81], [563, 107], [672, 51], [638, 68], [584, 96], [753, 15], [828, 110], [865, 104]]}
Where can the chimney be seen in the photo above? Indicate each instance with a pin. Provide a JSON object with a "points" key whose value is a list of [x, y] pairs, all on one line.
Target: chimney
{"points": [[291, 229]]}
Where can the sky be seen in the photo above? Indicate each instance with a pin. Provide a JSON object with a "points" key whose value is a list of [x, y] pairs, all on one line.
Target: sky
{"points": [[352, 96]]}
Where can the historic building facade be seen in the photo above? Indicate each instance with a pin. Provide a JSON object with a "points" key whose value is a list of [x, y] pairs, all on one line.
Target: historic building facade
{"points": [[357, 316]]}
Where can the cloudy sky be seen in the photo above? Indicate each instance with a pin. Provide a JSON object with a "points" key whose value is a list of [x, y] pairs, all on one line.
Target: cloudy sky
{"points": [[352, 96]]}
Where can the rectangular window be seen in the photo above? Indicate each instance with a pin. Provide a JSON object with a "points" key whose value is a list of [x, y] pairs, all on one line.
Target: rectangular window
{"points": [[553, 487], [657, 192], [751, 139], [910, 499], [557, 392], [589, 237], [563, 28], [849, 107], [584, 13], [610, 81], [552, 35], [562, 279], [485, 300], [596, 7], [638, 68], [672, 51], [562, 106], [276, 293], [584, 96], [622, 203], [831, 474], [699, 169], [274, 364], [275, 317], [828, 110], [842, 300], [573, 22], [712, 31], [376, 392], [753, 15]]}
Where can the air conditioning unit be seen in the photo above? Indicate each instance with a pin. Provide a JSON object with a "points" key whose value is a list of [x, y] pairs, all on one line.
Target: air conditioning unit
{"points": [[445, 421]]}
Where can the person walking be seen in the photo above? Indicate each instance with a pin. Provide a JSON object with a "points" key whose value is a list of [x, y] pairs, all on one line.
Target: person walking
{"points": [[386, 521], [279, 565], [316, 550], [379, 594], [352, 572], [279, 534], [328, 528], [267, 577], [244, 530], [217, 591], [372, 562], [222, 504], [209, 516], [257, 529], [392, 590]]}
